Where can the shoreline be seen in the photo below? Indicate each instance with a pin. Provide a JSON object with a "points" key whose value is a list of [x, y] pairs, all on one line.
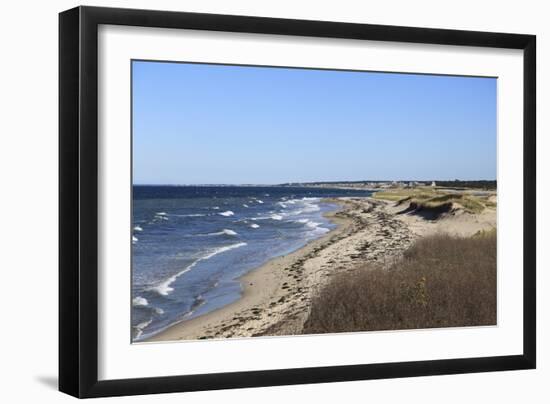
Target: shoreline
{"points": [[257, 285], [276, 296]]}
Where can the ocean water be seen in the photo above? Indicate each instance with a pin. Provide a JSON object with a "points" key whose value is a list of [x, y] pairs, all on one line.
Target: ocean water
{"points": [[190, 244]]}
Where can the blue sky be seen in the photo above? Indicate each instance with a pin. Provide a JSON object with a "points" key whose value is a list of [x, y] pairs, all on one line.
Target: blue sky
{"points": [[216, 124]]}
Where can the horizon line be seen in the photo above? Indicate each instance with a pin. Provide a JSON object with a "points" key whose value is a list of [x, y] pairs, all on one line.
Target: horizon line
{"points": [[305, 183]]}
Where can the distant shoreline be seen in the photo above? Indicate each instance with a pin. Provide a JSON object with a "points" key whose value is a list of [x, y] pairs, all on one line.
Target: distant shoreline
{"points": [[339, 184]]}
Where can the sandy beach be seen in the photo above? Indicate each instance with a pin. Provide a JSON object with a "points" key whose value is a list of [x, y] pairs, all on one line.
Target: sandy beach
{"points": [[277, 295]]}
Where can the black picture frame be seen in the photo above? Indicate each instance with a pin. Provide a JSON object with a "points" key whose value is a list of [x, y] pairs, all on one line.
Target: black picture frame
{"points": [[78, 201]]}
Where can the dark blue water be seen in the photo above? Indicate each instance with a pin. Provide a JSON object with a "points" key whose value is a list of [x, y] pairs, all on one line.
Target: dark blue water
{"points": [[192, 243]]}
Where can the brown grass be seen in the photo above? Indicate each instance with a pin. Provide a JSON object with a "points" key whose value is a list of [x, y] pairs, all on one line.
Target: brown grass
{"points": [[441, 281]]}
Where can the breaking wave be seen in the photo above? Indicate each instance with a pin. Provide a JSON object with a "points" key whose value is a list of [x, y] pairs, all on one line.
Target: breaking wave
{"points": [[227, 232], [164, 288], [139, 301]]}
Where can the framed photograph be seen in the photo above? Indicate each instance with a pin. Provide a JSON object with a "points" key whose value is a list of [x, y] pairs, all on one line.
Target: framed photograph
{"points": [[250, 201]]}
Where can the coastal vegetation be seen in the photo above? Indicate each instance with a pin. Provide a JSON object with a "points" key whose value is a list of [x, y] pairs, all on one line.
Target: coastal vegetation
{"points": [[459, 184], [440, 281], [435, 199]]}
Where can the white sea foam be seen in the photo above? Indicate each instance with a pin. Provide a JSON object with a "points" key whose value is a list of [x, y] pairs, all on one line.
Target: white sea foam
{"points": [[270, 217], [157, 217], [319, 230], [138, 228], [305, 205], [139, 301], [220, 250], [134, 239], [312, 224], [227, 213], [191, 215], [141, 326], [227, 232], [308, 208], [309, 223], [216, 207], [161, 216], [245, 205], [259, 201], [158, 310], [254, 225], [164, 288]]}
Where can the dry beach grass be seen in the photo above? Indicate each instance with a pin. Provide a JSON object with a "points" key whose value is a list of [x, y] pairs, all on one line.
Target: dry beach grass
{"points": [[441, 281]]}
